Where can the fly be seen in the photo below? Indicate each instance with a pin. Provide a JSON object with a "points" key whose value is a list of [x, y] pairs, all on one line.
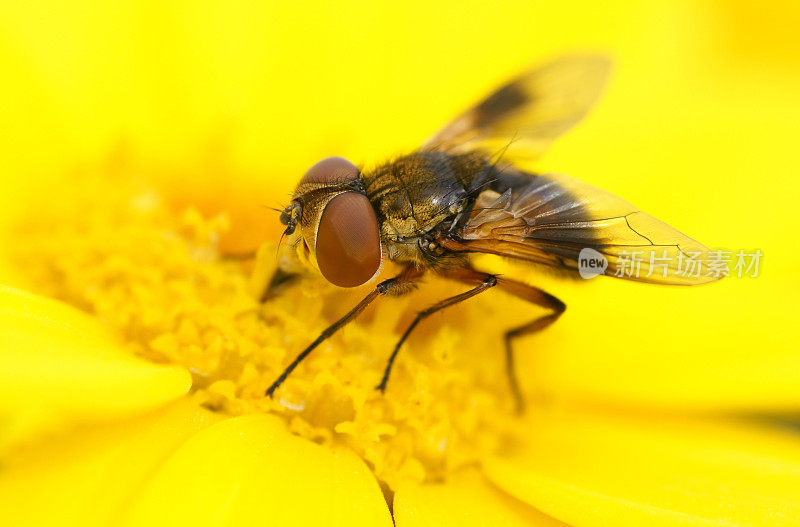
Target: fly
{"points": [[430, 210]]}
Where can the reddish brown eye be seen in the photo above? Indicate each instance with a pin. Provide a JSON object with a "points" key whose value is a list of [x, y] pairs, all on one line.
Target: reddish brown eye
{"points": [[348, 243], [331, 170]]}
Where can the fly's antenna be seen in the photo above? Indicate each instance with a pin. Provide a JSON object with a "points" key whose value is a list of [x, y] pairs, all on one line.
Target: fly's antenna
{"points": [[290, 216], [278, 248]]}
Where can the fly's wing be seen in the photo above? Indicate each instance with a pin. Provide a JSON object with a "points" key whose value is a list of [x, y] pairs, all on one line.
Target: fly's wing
{"points": [[558, 221], [523, 117]]}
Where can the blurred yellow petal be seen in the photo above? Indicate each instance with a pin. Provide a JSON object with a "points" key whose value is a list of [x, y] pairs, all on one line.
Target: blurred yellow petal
{"points": [[59, 366], [596, 471], [90, 477], [466, 500], [728, 346], [251, 470]]}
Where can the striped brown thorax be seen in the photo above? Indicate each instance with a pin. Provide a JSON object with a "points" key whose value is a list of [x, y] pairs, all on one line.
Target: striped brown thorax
{"points": [[420, 195]]}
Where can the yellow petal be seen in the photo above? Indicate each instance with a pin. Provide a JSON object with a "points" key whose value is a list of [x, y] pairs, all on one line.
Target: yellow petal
{"points": [[59, 366], [465, 500], [89, 477], [251, 470], [596, 471], [721, 347]]}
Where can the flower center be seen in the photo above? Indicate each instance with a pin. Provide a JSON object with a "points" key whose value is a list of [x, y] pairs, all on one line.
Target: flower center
{"points": [[157, 278]]}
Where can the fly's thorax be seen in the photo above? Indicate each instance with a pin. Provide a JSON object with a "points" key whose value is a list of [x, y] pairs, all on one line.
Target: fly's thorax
{"points": [[419, 194]]}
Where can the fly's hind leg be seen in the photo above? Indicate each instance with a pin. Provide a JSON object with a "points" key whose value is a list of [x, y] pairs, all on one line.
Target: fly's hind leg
{"points": [[530, 294], [540, 298]]}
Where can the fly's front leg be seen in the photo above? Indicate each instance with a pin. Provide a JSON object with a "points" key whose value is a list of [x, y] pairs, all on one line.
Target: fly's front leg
{"points": [[485, 281], [392, 285], [530, 294]]}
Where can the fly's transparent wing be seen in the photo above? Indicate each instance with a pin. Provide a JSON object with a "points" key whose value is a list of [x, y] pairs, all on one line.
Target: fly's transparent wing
{"points": [[528, 113], [556, 220]]}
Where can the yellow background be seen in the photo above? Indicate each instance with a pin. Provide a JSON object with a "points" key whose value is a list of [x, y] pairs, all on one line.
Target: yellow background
{"points": [[229, 102]]}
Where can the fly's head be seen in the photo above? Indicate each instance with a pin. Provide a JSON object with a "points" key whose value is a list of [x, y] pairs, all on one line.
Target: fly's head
{"points": [[331, 227]]}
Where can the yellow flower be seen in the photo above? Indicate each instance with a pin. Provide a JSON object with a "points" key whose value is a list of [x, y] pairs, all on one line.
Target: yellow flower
{"points": [[134, 357]]}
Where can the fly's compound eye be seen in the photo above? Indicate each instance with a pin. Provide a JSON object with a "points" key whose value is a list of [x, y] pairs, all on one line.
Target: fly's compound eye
{"points": [[348, 247], [331, 170]]}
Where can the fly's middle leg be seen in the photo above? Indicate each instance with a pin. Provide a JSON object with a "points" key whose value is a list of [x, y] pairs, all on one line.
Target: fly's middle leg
{"points": [[485, 281]]}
